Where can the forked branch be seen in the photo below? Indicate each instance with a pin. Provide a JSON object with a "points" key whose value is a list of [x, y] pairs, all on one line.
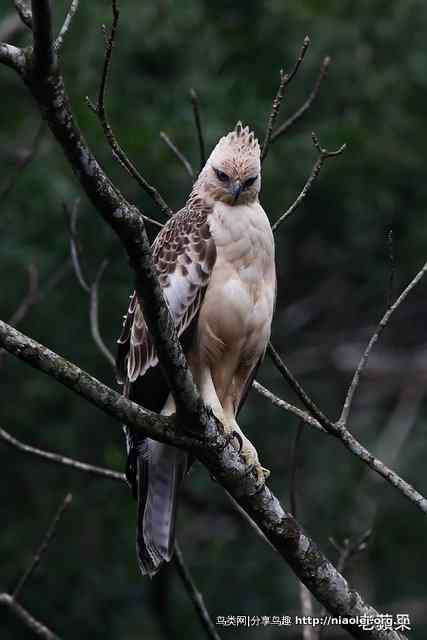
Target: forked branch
{"points": [[285, 79], [100, 110], [324, 154]]}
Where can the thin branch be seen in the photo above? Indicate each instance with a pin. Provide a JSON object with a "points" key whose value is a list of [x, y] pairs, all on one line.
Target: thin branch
{"points": [[285, 79], [24, 11], [286, 406], [45, 59], [181, 157], [350, 548], [195, 102], [297, 388], [100, 110], [324, 154], [75, 251], [67, 23], [342, 422], [284, 128], [392, 264], [30, 297], [195, 596], [348, 440], [90, 289], [26, 157], [94, 316], [37, 627], [44, 545], [59, 459]]}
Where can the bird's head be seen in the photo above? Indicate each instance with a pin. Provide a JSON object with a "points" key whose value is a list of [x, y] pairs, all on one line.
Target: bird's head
{"points": [[232, 173]]}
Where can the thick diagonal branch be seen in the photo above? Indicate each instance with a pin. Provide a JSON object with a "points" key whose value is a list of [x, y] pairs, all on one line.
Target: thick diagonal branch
{"points": [[225, 464]]}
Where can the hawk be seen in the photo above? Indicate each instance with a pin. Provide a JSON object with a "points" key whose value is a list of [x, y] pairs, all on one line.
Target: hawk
{"points": [[215, 263]]}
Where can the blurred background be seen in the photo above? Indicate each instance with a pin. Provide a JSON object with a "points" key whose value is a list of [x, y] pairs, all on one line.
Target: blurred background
{"points": [[356, 240]]}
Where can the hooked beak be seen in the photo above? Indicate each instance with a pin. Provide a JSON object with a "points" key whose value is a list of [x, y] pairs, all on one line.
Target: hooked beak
{"points": [[236, 189]]}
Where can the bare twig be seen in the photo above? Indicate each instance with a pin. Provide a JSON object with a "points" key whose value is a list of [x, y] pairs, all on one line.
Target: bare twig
{"points": [[350, 548], [195, 102], [67, 23], [37, 627], [23, 9], [26, 157], [342, 422], [295, 385], [30, 297], [392, 264], [44, 59], [195, 596], [75, 250], [94, 316], [100, 110], [282, 404], [90, 289], [284, 128], [348, 440], [285, 79], [59, 459], [12, 57], [47, 539], [181, 157], [324, 154]]}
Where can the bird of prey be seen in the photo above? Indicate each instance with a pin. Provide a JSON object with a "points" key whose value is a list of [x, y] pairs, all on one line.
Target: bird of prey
{"points": [[215, 262]]}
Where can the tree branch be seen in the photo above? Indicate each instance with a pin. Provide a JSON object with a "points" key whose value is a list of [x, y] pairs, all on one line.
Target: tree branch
{"points": [[380, 328], [26, 157], [24, 11], [94, 316], [225, 464], [59, 459], [282, 404], [212, 448], [198, 123], [100, 110], [44, 60], [349, 441], [284, 128], [285, 79], [67, 24], [116, 405], [47, 539], [324, 154], [181, 157], [12, 57], [37, 627], [195, 596]]}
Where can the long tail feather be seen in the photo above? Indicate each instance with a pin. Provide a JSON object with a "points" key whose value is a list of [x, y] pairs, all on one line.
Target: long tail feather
{"points": [[161, 469]]}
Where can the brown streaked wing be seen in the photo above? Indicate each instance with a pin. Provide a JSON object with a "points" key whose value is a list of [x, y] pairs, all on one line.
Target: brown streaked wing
{"points": [[184, 254]]}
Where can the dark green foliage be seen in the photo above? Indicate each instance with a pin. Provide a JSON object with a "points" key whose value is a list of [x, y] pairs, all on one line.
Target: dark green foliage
{"points": [[334, 273]]}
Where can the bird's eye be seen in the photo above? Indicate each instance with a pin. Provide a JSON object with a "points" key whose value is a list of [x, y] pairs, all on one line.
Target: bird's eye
{"points": [[222, 177], [249, 182]]}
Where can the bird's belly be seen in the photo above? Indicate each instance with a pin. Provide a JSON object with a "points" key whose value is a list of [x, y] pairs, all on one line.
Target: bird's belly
{"points": [[236, 313]]}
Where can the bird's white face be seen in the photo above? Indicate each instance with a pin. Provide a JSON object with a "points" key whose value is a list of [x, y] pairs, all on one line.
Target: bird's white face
{"points": [[233, 171]]}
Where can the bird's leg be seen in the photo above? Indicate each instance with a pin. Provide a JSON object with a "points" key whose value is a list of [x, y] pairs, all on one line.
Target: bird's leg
{"points": [[250, 454], [210, 398]]}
